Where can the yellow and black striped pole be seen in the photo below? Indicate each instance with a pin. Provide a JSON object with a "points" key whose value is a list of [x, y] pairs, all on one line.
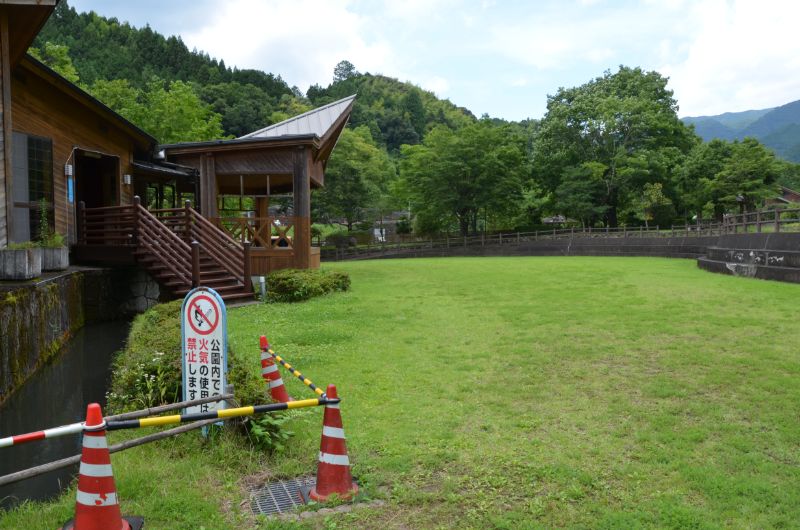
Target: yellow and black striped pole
{"points": [[297, 374], [217, 414]]}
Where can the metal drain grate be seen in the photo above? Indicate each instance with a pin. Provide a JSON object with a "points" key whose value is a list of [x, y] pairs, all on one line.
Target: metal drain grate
{"points": [[281, 497]]}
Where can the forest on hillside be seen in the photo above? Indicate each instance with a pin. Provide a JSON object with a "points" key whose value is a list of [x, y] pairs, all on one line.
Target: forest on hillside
{"points": [[609, 152]]}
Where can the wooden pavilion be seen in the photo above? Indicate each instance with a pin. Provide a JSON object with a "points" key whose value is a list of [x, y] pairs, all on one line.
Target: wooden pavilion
{"points": [[285, 158]]}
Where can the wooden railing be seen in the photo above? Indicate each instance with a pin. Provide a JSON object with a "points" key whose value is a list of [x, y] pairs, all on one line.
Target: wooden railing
{"points": [[173, 236], [262, 232], [134, 226], [216, 244], [776, 220]]}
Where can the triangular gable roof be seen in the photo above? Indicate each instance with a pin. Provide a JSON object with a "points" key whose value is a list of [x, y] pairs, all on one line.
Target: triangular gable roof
{"points": [[317, 122]]}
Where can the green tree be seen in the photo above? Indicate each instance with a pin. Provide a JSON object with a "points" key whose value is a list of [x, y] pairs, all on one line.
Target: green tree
{"points": [[56, 56], [747, 177], [453, 176], [170, 112], [579, 195], [693, 180], [626, 121], [357, 180], [344, 70], [654, 205]]}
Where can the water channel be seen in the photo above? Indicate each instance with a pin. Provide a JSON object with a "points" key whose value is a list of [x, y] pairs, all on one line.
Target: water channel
{"points": [[57, 395]]}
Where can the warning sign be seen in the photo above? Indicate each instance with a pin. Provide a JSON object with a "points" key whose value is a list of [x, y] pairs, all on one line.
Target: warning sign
{"points": [[205, 347]]}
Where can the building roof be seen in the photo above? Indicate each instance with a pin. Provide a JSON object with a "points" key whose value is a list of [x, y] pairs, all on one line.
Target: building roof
{"points": [[33, 65], [25, 19], [317, 122]]}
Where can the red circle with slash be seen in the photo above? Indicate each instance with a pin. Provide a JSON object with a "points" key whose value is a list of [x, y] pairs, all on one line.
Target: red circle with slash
{"points": [[209, 318]]}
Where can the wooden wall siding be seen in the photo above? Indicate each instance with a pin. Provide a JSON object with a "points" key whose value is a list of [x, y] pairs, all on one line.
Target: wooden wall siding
{"points": [[41, 109], [263, 265], [5, 130], [253, 184], [254, 162]]}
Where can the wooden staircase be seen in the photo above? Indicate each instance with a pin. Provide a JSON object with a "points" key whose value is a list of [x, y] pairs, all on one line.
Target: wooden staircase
{"points": [[177, 246]]}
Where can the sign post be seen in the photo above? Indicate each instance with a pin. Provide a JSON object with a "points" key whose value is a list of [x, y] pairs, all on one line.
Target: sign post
{"points": [[204, 337]]}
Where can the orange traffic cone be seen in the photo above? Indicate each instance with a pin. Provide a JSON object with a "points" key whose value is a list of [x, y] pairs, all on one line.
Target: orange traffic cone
{"points": [[269, 371], [333, 471], [97, 507]]}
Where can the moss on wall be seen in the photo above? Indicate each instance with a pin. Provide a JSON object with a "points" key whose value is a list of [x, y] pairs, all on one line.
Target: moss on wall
{"points": [[35, 322]]}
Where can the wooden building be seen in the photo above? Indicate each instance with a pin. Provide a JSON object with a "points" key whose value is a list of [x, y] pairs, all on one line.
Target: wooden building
{"points": [[117, 197], [285, 158], [61, 145]]}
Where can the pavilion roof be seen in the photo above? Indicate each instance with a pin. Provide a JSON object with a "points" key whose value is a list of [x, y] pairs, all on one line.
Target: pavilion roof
{"points": [[318, 122]]}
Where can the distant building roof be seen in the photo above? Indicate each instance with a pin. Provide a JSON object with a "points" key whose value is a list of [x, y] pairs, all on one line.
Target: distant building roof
{"points": [[317, 122]]}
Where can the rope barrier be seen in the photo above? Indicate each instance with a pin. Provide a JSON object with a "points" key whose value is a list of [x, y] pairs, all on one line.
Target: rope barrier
{"points": [[297, 374], [217, 414]]}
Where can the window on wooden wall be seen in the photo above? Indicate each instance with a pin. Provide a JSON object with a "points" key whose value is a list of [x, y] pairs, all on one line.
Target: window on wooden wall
{"points": [[32, 186]]}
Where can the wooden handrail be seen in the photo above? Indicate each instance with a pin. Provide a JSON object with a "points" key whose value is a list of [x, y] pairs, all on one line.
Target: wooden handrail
{"points": [[217, 245], [164, 245]]}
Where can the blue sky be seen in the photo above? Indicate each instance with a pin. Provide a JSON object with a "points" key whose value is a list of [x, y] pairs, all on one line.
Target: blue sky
{"points": [[500, 57]]}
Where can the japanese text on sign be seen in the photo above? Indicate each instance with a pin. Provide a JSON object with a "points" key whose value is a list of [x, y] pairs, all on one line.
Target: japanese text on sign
{"points": [[205, 346]]}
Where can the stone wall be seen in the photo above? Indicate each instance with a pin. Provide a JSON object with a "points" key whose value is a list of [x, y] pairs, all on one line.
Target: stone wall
{"points": [[37, 318], [35, 321]]}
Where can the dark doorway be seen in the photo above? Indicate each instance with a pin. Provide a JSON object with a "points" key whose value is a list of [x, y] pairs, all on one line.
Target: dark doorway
{"points": [[96, 179]]}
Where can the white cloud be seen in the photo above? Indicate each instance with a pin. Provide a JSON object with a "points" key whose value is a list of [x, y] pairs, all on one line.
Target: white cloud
{"points": [[300, 39], [436, 84], [742, 55]]}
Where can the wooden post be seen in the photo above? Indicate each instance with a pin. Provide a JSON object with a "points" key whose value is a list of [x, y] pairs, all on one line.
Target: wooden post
{"points": [[517, 238], [137, 201], [195, 264], [571, 232], [81, 222], [247, 264], [777, 220], [758, 220], [301, 190], [187, 213], [501, 238]]}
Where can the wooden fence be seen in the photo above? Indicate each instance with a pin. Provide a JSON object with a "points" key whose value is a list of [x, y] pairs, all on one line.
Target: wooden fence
{"points": [[777, 220]]}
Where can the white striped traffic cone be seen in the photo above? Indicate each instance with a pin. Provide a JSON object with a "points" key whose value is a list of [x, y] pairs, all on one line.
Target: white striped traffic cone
{"points": [[96, 506], [333, 470], [271, 375]]}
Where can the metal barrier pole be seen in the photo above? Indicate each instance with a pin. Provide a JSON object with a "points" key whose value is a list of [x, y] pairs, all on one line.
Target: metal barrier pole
{"points": [[217, 414], [76, 428]]}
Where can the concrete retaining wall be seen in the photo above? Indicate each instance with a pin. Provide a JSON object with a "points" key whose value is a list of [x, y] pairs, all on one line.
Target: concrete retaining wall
{"points": [[773, 256], [37, 318]]}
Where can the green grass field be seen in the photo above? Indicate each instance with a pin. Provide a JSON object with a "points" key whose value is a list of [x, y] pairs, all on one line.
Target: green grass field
{"points": [[518, 393]]}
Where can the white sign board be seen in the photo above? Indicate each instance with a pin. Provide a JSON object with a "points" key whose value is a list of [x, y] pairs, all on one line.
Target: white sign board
{"points": [[204, 334]]}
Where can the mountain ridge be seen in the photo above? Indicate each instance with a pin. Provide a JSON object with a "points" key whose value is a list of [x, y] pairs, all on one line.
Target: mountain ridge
{"points": [[778, 128]]}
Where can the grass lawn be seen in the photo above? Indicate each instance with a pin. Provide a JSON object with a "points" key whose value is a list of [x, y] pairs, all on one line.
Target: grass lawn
{"points": [[519, 393]]}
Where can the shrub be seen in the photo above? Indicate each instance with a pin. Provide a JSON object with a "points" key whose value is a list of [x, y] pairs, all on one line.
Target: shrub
{"points": [[296, 285], [147, 373]]}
